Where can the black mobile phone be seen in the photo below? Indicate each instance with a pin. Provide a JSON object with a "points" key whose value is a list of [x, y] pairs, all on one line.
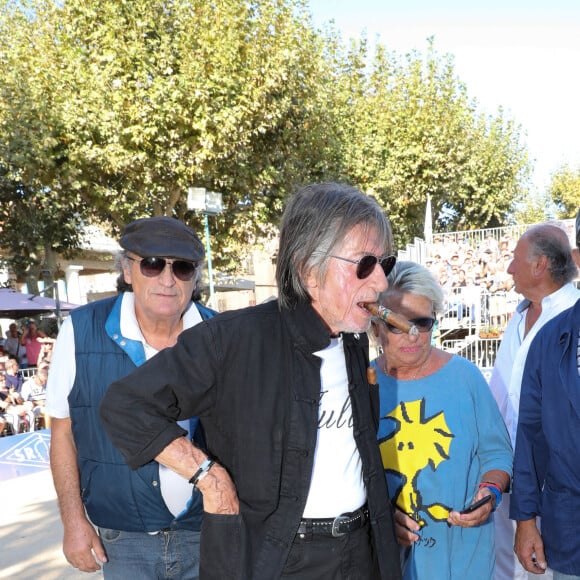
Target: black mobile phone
{"points": [[476, 505]]}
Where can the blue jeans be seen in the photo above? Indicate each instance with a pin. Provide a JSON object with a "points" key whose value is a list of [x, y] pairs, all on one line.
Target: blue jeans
{"points": [[560, 576], [172, 554]]}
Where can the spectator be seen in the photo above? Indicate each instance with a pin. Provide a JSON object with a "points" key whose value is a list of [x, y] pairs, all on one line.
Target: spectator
{"points": [[13, 377], [148, 520], [45, 355], [11, 405], [282, 391], [490, 244], [4, 406], [542, 270], [12, 344], [547, 455], [30, 341], [34, 396]]}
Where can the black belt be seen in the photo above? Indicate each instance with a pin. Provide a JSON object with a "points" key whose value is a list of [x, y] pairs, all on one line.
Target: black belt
{"points": [[336, 527]]}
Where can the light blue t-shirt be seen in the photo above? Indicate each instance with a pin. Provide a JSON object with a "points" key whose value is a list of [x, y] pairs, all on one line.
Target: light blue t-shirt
{"points": [[438, 435]]}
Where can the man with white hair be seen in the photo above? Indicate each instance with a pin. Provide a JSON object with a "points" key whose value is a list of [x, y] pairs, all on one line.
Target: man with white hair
{"points": [[546, 476], [543, 270]]}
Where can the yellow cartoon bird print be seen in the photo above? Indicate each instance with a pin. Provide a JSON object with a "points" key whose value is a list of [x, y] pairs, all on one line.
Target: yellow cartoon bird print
{"points": [[415, 444]]}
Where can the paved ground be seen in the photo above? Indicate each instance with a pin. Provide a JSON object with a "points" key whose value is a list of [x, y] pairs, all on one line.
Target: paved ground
{"points": [[31, 531]]}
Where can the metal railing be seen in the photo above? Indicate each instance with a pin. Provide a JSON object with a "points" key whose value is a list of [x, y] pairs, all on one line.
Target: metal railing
{"points": [[480, 351], [28, 372], [473, 309]]}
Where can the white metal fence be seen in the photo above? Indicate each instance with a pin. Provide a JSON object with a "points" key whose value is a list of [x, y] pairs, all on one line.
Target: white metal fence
{"points": [[481, 351], [473, 308]]}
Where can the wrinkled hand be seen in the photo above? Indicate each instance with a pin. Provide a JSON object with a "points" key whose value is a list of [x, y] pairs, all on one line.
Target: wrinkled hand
{"points": [[404, 527], [529, 547], [219, 493], [475, 518], [82, 546]]}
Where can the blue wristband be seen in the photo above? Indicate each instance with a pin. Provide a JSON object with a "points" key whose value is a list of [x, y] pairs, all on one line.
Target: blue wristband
{"points": [[498, 495]]}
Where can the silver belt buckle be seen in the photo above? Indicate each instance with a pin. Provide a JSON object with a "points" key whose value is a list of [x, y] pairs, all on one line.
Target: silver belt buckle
{"points": [[337, 521]]}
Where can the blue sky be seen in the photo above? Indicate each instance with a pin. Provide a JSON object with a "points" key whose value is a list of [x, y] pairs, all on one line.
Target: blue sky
{"points": [[521, 55]]}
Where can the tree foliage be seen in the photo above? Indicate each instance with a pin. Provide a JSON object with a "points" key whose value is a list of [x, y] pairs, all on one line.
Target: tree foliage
{"points": [[536, 208], [564, 190], [414, 131], [111, 109], [37, 221], [127, 104]]}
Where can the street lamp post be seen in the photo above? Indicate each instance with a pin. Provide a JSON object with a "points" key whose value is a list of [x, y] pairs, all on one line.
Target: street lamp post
{"points": [[56, 299], [209, 203]]}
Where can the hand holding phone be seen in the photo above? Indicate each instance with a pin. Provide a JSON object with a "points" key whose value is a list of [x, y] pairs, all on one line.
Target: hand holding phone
{"points": [[477, 504]]}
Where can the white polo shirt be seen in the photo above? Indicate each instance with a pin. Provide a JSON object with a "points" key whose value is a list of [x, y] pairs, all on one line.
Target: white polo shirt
{"points": [[176, 490]]}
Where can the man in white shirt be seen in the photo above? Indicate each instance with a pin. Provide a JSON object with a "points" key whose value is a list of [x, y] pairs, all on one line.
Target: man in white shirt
{"points": [[33, 394], [543, 270], [148, 519]]}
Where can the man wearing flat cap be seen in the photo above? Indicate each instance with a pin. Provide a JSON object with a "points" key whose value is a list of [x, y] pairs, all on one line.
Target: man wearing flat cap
{"points": [[149, 519], [547, 455]]}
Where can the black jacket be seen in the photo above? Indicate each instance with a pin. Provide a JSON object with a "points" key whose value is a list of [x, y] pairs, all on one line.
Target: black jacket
{"points": [[253, 379]]}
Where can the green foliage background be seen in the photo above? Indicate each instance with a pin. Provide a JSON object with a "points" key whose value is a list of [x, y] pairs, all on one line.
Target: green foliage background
{"points": [[111, 109]]}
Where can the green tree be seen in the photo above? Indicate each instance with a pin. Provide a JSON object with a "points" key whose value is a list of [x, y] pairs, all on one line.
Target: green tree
{"points": [[536, 208], [111, 109], [35, 228], [127, 104], [415, 131], [564, 190], [37, 220]]}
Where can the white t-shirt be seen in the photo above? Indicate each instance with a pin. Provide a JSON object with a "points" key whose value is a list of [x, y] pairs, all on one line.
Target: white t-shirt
{"points": [[32, 391], [176, 490], [337, 484]]}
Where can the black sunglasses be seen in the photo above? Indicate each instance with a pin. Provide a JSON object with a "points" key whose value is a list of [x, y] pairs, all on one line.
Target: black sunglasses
{"points": [[366, 265], [152, 267], [423, 325]]}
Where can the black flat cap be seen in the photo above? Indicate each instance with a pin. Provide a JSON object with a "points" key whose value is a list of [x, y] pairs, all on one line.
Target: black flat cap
{"points": [[163, 237]]}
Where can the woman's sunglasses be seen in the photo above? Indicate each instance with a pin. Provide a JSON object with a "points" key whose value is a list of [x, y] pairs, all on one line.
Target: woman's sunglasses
{"points": [[152, 267], [366, 265], [423, 325]]}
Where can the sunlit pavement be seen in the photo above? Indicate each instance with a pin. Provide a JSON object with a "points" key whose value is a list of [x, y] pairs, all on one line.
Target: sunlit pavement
{"points": [[30, 527]]}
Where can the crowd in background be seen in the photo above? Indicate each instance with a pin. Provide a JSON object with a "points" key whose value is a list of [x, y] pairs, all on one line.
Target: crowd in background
{"points": [[24, 365], [466, 273]]}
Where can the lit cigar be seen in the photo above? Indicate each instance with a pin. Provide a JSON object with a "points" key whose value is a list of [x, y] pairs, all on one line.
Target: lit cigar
{"points": [[387, 315]]}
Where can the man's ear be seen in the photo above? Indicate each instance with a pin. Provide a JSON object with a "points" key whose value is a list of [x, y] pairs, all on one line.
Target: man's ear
{"points": [[576, 256], [126, 273], [541, 266], [311, 278]]}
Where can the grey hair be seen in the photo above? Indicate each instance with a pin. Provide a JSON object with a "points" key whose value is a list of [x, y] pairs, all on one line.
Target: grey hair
{"points": [[316, 221], [552, 241], [412, 278], [122, 261]]}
